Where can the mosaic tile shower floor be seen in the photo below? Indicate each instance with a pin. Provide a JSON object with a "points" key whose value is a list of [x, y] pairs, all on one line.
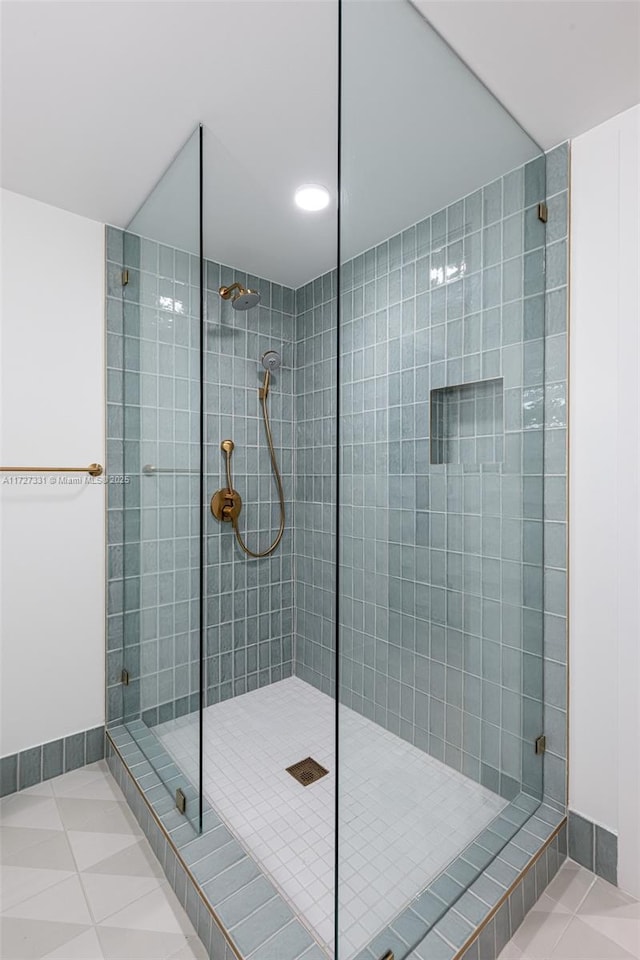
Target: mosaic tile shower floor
{"points": [[404, 815]]}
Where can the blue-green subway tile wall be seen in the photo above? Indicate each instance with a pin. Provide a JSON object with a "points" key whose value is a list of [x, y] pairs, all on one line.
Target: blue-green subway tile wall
{"points": [[315, 489], [249, 602], [162, 337], [442, 562], [153, 355]]}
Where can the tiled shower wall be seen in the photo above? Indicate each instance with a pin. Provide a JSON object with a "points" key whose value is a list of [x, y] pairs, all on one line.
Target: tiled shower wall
{"points": [[249, 602], [455, 590], [315, 485], [441, 582], [153, 350]]}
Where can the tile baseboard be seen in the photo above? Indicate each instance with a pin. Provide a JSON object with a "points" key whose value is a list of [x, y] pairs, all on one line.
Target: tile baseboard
{"points": [[593, 847], [30, 767]]}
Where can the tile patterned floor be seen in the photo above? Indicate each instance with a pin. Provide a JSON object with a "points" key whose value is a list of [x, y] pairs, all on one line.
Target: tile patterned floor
{"points": [[80, 881], [579, 917], [392, 846]]}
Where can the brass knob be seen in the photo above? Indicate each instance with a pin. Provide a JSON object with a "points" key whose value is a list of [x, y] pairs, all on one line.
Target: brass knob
{"points": [[227, 446]]}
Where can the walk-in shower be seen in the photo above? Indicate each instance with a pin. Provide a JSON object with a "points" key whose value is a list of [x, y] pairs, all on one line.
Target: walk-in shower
{"points": [[330, 589]]}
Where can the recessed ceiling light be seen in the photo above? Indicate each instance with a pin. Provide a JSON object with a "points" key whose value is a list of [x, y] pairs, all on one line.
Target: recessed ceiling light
{"points": [[312, 196]]}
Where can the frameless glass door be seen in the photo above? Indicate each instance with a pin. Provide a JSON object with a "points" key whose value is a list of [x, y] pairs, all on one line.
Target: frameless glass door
{"points": [[163, 442], [441, 331]]}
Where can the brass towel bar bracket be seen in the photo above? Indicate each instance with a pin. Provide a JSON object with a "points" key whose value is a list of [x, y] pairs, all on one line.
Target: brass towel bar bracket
{"points": [[94, 469]]}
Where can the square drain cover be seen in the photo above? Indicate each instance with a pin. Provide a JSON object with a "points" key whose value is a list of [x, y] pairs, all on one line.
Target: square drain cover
{"points": [[307, 771]]}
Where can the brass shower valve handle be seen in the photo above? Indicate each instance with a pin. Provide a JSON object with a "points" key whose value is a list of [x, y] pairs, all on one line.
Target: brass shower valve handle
{"points": [[226, 505]]}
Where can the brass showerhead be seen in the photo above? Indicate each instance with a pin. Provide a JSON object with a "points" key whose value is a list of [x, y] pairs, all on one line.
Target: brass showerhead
{"points": [[241, 297]]}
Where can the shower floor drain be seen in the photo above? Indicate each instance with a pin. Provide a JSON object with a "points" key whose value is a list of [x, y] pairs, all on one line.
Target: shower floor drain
{"points": [[307, 771]]}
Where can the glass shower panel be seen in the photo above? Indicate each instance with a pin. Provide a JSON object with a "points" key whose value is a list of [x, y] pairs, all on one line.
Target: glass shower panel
{"points": [[163, 459], [254, 709], [441, 326]]}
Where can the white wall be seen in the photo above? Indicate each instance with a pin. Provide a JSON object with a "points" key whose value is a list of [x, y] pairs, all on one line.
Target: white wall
{"points": [[52, 580], [604, 770]]}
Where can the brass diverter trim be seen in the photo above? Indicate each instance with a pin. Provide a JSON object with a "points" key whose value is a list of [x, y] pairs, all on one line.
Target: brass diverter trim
{"points": [[227, 504]]}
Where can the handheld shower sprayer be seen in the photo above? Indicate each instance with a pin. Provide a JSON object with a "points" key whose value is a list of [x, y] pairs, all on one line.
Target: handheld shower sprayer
{"points": [[226, 504], [271, 362]]}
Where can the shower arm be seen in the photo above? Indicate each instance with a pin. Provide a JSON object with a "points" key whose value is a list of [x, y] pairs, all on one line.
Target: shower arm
{"points": [[225, 292]]}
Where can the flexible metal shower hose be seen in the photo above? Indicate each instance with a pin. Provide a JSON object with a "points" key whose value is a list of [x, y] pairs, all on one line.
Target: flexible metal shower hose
{"points": [[264, 392]]}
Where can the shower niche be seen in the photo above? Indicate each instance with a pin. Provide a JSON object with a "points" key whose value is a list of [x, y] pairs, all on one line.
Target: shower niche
{"points": [[467, 423], [366, 422]]}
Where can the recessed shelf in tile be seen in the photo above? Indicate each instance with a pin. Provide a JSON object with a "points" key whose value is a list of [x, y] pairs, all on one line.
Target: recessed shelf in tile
{"points": [[467, 423]]}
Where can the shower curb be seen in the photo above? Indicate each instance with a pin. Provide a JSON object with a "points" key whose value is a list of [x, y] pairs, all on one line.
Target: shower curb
{"points": [[174, 841], [501, 920], [474, 882]]}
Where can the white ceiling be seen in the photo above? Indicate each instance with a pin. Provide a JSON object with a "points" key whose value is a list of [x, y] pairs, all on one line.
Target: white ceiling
{"points": [[560, 66], [394, 170], [97, 98]]}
